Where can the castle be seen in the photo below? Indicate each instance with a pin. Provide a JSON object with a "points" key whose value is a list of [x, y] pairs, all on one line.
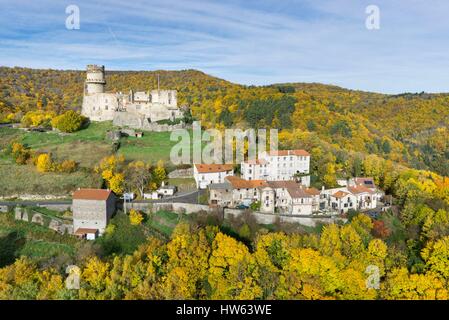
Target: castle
{"points": [[140, 109]]}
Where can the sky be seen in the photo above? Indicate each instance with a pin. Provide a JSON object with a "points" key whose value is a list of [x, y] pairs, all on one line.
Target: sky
{"points": [[253, 42]]}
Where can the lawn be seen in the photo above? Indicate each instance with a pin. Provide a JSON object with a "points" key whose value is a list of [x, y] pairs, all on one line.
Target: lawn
{"points": [[153, 146], [183, 184]]}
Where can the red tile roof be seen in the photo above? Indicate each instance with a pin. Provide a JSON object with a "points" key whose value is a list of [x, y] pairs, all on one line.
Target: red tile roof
{"points": [[239, 183], [367, 182], [313, 191], [298, 192], [297, 152], [83, 231], [257, 161], [283, 184], [209, 168], [359, 189], [340, 194], [92, 194]]}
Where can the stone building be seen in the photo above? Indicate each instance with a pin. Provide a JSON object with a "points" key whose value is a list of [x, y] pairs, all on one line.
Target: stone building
{"points": [[136, 109], [205, 174], [279, 165], [92, 210]]}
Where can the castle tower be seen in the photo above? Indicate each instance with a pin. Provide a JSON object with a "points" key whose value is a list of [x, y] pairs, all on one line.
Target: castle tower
{"points": [[95, 80]]}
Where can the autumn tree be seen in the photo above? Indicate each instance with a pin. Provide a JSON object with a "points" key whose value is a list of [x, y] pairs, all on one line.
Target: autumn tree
{"points": [[138, 176], [69, 121]]}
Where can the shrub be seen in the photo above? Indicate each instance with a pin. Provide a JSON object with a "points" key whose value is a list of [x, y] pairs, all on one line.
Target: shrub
{"points": [[37, 118], [70, 121], [67, 166], [20, 153], [135, 217], [44, 163]]}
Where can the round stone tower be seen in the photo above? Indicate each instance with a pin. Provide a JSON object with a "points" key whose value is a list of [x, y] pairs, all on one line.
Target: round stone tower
{"points": [[95, 81]]}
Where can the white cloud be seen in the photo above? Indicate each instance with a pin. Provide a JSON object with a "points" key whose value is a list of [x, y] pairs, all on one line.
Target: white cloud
{"points": [[248, 42]]}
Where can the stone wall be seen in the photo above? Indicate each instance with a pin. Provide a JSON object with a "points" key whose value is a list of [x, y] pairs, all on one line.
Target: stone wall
{"points": [[56, 224], [181, 173], [187, 208], [267, 218], [134, 120]]}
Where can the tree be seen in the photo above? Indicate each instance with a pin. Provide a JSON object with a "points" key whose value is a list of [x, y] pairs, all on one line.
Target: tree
{"points": [[20, 153], [69, 121], [138, 176], [110, 169], [135, 217], [159, 173], [44, 163]]}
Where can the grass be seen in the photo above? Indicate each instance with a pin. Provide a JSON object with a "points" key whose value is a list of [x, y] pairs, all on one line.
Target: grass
{"points": [[51, 213], [87, 147], [183, 184], [164, 222], [43, 249], [19, 238], [24, 179], [153, 146], [125, 238]]}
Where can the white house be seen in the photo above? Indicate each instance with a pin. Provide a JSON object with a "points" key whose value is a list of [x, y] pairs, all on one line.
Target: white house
{"points": [[206, 174], [356, 197], [342, 201], [279, 165], [366, 198]]}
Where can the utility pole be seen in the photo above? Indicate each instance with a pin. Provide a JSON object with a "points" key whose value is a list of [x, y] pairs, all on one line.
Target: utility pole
{"points": [[158, 83]]}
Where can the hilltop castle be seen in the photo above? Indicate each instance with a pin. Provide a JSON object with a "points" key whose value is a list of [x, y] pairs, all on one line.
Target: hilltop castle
{"points": [[138, 109]]}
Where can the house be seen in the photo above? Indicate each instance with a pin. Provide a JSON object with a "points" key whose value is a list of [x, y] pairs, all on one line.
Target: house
{"points": [[280, 165], [377, 194], [92, 210], [86, 233], [206, 174], [294, 198], [245, 191], [166, 190], [356, 197], [366, 198], [342, 201], [235, 191], [288, 197], [220, 194]]}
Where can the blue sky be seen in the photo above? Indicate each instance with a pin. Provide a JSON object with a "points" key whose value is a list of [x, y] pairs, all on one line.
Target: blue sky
{"points": [[244, 41]]}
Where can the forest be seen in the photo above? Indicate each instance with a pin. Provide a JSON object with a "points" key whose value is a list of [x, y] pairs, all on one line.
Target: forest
{"points": [[410, 129]]}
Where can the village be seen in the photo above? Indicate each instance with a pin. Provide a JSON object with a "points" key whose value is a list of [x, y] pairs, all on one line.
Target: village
{"points": [[277, 184]]}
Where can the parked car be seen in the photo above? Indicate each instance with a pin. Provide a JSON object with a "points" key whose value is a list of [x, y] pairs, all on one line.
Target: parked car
{"points": [[242, 206]]}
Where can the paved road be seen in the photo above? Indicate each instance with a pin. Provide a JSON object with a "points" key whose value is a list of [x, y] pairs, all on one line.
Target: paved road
{"points": [[6, 125], [186, 197]]}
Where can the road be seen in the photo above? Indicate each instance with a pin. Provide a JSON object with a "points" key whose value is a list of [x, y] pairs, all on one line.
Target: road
{"points": [[7, 125], [186, 197]]}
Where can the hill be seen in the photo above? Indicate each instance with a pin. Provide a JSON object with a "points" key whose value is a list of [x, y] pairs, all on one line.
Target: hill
{"points": [[410, 129]]}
